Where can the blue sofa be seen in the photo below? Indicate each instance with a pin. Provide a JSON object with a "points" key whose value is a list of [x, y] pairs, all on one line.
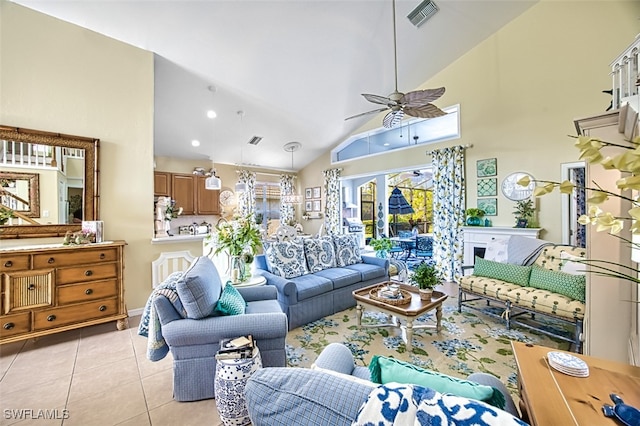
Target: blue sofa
{"points": [[315, 277]]}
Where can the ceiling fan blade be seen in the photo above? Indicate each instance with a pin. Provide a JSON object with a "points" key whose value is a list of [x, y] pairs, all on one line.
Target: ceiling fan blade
{"points": [[376, 99], [421, 97], [392, 119], [424, 111], [375, 111]]}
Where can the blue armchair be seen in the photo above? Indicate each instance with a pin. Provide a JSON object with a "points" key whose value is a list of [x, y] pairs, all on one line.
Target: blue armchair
{"points": [[194, 341]]}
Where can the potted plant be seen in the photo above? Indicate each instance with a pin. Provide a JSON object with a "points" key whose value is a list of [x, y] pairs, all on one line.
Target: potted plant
{"points": [[426, 277], [474, 216], [524, 213], [381, 246]]}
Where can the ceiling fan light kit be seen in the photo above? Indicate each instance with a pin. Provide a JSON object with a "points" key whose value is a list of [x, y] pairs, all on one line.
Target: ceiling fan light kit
{"points": [[416, 103]]}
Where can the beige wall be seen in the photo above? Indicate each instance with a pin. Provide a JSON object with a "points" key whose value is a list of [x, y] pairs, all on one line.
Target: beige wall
{"points": [[58, 77], [519, 92]]}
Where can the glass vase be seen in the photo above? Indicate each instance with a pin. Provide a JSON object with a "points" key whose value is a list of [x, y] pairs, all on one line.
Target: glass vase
{"points": [[236, 269]]}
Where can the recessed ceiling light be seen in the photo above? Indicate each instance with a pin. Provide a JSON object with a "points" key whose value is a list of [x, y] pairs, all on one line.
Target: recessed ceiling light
{"points": [[211, 114], [195, 143], [386, 144]]}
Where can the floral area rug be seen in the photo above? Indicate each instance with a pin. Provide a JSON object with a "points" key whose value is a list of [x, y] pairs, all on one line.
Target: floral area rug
{"points": [[469, 342]]}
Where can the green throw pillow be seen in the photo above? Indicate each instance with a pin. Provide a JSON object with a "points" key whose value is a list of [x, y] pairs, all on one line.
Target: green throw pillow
{"points": [[385, 370], [572, 286], [231, 301], [514, 274]]}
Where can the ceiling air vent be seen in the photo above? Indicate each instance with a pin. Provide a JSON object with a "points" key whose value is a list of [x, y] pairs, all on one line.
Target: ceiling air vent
{"points": [[424, 11], [255, 140]]}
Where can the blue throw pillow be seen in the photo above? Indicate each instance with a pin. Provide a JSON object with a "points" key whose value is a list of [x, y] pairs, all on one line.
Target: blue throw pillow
{"points": [[199, 288], [231, 301]]}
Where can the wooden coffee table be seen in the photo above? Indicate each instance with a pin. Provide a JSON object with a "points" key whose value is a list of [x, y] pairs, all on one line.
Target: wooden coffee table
{"points": [[407, 312], [549, 397]]}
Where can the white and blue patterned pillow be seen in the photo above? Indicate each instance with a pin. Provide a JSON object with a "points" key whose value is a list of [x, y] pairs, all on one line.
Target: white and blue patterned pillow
{"points": [[347, 250], [400, 404], [320, 253], [286, 258]]}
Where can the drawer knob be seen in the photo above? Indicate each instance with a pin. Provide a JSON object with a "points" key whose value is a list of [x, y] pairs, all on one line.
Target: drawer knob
{"points": [[31, 286], [8, 326], [102, 256], [102, 308], [88, 272], [8, 264], [51, 318], [51, 260], [88, 291]]}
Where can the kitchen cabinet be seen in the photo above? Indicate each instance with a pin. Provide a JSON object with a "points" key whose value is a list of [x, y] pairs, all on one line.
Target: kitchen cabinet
{"points": [[183, 191], [207, 201], [161, 184], [47, 290]]}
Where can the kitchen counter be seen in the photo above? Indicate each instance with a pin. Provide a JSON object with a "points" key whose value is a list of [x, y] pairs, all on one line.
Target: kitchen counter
{"points": [[178, 239]]}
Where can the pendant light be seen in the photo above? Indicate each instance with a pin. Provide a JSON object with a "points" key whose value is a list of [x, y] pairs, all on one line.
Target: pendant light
{"points": [[241, 187], [212, 182], [292, 198]]}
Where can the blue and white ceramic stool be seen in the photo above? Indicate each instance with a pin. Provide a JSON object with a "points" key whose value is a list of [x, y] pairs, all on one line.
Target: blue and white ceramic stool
{"points": [[230, 380]]}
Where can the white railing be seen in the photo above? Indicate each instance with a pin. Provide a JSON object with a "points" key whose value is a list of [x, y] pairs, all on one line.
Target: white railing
{"points": [[24, 154], [626, 75]]}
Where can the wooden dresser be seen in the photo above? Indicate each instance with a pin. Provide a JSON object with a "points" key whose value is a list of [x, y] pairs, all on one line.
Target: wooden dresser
{"points": [[52, 288]]}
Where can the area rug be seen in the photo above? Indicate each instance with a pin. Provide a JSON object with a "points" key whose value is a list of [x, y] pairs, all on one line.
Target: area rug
{"points": [[469, 342]]}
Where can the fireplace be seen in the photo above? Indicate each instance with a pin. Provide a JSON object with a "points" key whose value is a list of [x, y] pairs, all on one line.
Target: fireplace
{"points": [[476, 238]]}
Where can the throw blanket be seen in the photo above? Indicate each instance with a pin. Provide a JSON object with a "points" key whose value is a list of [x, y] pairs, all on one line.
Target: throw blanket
{"points": [[150, 326], [403, 405], [524, 250]]}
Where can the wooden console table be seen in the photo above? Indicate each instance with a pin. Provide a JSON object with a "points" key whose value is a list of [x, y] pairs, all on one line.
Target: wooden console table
{"points": [[549, 397]]}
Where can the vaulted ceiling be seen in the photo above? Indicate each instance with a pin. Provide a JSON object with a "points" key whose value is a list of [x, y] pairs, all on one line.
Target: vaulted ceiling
{"points": [[295, 68]]}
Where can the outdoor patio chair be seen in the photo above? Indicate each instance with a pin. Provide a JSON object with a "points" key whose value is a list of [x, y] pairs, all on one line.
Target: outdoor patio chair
{"points": [[424, 247]]}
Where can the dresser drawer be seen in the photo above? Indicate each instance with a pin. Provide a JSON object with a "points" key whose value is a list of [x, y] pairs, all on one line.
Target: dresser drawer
{"points": [[86, 291], [78, 257], [28, 290], [14, 262], [86, 273], [11, 325], [57, 317]]}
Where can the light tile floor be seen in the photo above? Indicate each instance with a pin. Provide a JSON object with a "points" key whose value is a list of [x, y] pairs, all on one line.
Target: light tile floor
{"points": [[99, 375]]}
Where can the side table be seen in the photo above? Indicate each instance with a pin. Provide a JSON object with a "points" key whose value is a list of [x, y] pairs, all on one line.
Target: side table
{"points": [[230, 380]]}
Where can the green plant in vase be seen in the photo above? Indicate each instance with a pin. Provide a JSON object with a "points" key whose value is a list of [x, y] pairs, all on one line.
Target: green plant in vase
{"points": [[474, 216], [425, 277], [525, 214], [381, 246]]}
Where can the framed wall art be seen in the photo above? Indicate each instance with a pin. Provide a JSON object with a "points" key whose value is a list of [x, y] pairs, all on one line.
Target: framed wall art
{"points": [[316, 205], [308, 193], [308, 206], [487, 187], [487, 167], [316, 193], [489, 205]]}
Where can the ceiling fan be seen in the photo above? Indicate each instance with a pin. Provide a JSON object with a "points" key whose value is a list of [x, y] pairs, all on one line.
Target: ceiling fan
{"points": [[416, 103]]}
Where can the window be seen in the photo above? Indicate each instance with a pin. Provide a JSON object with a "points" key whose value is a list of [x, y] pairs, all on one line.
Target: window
{"points": [[267, 202], [416, 131]]}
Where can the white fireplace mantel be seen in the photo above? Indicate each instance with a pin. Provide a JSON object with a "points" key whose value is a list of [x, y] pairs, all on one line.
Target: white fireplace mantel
{"points": [[477, 237]]}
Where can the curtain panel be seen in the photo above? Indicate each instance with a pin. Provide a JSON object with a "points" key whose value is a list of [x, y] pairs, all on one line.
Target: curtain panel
{"points": [[448, 210], [247, 199], [286, 209], [332, 223]]}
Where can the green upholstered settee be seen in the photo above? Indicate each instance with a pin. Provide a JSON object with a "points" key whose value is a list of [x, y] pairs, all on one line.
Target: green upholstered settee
{"points": [[553, 287]]}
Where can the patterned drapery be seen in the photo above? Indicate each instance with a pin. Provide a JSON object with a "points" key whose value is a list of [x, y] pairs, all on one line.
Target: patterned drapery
{"points": [[448, 210], [332, 223], [286, 209], [247, 199], [581, 206]]}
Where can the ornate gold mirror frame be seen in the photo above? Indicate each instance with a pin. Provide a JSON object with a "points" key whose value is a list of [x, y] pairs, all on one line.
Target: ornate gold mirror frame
{"points": [[90, 195]]}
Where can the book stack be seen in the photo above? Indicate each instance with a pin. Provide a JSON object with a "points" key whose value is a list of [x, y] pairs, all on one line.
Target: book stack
{"points": [[93, 229], [390, 292], [236, 348]]}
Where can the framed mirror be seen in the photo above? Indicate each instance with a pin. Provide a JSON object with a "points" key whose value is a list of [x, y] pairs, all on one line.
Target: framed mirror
{"points": [[61, 174], [20, 192]]}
